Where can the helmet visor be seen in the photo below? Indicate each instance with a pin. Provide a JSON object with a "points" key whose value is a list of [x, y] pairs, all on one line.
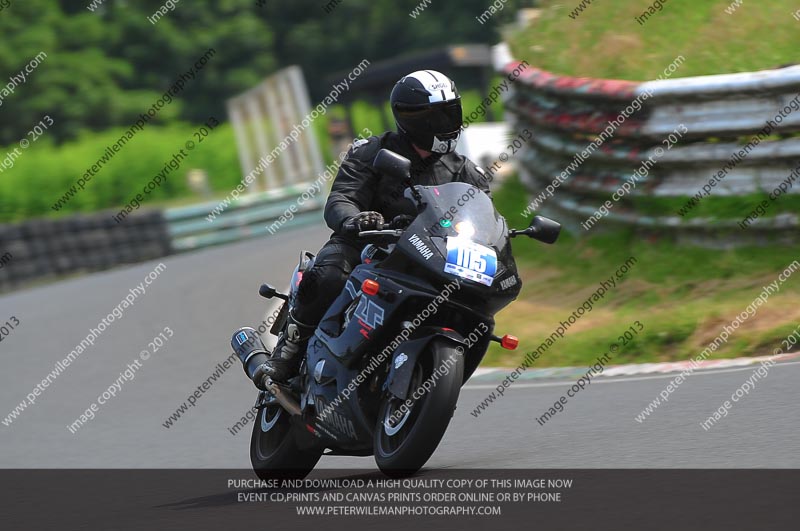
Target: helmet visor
{"points": [[433, 118]]}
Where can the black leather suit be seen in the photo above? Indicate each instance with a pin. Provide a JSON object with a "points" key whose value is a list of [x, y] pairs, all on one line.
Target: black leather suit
{"points": [[359, 187]]}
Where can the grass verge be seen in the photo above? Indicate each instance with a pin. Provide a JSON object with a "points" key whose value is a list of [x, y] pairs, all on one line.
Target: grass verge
{"points": [[606, 41], [682, 295]]}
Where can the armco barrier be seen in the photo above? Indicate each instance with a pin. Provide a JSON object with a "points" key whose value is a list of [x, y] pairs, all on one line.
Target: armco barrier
{"points": [[721, 113], [252, 215]]}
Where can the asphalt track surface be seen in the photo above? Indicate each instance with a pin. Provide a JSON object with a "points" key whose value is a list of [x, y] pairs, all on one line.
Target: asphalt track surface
{"points": [[203, 296]]}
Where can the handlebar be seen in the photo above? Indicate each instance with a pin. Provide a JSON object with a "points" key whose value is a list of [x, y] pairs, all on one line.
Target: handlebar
{"points": [[382, 233], [393, 228]]}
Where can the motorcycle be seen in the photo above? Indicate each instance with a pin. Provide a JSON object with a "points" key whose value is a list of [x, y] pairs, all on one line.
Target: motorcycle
{"points": [[382, 373]]}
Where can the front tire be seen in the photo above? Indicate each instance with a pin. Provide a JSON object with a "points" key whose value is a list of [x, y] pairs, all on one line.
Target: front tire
{"points": [[405, 440], [273, 452]]}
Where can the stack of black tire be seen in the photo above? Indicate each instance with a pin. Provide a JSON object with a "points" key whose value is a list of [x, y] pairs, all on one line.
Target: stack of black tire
{"points": [[50, 248]]}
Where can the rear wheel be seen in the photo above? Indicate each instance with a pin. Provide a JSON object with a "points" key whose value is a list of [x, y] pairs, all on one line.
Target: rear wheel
{"points": [[406, 436], [273, 451]]}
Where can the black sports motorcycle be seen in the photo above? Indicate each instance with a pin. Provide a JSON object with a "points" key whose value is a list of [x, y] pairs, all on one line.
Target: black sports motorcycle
{"points": [[384, 369]]}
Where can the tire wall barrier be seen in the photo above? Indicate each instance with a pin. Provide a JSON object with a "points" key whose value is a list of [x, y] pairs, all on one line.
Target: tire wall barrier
{"points": [[52, 248], [45, 248], [720, 115]]}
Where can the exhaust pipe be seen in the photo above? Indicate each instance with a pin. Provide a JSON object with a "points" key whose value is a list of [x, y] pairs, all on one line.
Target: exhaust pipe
{"points": [[284, 399], [253, 354], [251, 351]]}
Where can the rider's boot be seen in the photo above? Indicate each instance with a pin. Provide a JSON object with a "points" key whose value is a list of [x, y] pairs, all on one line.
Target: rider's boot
{"points": [[289, 351]]}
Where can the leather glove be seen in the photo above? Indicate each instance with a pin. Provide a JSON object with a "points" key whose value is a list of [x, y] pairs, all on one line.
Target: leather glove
{"points": [[368, 220]]}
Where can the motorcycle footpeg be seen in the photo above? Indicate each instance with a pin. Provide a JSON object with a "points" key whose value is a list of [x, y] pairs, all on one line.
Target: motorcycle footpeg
{"points": [[263, 399], [251, 351]]}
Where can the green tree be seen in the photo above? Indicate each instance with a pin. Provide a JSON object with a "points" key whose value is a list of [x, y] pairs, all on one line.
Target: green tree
{"points": [[105, 66]]}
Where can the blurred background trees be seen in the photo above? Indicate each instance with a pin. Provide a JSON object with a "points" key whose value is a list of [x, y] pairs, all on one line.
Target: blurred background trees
{"points": [[112, 63]]}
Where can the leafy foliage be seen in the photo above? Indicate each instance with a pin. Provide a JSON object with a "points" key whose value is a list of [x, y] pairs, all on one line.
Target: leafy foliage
{"points": [[106, 66]]}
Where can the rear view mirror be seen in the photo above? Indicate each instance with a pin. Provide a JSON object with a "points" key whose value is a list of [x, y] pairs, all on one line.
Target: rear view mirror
{"points": [[544, 229], [541, 228], [392, 164]]}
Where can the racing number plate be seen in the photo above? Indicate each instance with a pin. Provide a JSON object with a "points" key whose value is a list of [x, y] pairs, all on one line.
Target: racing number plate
{"points": [[470, 260]]}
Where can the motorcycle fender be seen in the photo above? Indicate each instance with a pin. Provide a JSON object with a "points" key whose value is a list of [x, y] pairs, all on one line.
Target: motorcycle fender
{"points": [[405, 358]]}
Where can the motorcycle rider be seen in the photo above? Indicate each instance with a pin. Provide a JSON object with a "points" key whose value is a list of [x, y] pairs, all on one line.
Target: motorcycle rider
{"points": [[427, 110]]}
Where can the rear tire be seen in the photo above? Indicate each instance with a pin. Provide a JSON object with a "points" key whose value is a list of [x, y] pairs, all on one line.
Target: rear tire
{"points": [[403, 446], [273, 452]]}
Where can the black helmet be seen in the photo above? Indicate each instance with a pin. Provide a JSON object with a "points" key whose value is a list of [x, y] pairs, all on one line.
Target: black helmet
{"points": [[427, 108]]}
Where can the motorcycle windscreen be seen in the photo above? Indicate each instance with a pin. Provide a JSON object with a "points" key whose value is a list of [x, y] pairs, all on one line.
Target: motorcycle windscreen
{"points": [[466, 218], [460, 209]]}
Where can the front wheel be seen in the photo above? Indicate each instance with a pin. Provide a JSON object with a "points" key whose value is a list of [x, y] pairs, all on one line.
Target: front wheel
{"points": [[273, 451], [408, 432]]}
